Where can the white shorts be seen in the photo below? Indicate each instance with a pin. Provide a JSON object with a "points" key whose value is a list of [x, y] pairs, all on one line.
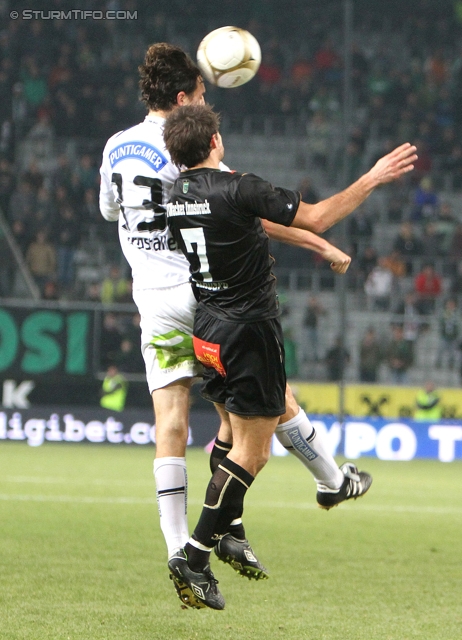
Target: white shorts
{"points": [[167, 318]]}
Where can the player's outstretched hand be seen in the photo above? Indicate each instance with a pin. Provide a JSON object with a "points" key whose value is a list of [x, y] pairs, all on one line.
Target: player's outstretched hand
{"points": [[339, 261], [394, 164]]}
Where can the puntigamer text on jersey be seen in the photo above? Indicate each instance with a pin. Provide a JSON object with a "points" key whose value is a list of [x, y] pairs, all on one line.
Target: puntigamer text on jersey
{"points": [[141, 151]]}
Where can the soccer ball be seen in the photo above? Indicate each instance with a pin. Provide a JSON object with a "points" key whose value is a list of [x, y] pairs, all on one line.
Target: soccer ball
{"points": [[229, 57]]}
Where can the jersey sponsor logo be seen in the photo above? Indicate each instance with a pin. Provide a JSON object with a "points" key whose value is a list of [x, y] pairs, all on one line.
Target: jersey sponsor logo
{"points": [[173, 349], [139, 151], [159, 243], [299, 443], [209, 354], [188, 209]]}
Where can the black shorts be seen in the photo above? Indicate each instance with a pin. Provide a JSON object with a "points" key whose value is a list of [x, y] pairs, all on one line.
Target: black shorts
{"points": [[244, 364]]}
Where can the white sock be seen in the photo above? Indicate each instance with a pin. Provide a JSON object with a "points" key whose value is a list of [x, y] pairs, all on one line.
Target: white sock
{"points": [[300, 438], [172, 493]]}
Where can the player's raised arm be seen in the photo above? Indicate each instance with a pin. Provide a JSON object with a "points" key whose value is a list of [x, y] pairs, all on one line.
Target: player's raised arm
{"points": [[339, 261], [321, 216]]}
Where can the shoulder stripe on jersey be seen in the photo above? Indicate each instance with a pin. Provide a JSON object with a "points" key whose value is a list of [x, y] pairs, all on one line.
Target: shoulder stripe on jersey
{"points": [[140, 151]]}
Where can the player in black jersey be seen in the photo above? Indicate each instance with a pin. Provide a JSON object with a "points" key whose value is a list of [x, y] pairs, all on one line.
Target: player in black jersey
{"points": [[215, 218]]}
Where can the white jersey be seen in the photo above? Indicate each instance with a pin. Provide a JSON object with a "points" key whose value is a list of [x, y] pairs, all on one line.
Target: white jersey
{"points": [[136, 178]]}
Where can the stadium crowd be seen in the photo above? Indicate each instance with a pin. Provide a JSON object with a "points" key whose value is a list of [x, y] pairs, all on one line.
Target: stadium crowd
{"points": [[67, 85]]}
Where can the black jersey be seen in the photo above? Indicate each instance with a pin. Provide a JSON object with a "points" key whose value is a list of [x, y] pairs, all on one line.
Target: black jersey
{"points": [[215, 218]]}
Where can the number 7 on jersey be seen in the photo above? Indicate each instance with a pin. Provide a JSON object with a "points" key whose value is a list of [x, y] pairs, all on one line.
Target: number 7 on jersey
{"points": [[196, 237]]}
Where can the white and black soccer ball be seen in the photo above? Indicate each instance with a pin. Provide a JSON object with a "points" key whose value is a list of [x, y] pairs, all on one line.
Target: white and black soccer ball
{"points": [[229, 57]]}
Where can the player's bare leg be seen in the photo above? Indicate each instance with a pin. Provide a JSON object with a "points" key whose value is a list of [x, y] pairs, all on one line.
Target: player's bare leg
{"points": [[171, 407], [298, 436]]}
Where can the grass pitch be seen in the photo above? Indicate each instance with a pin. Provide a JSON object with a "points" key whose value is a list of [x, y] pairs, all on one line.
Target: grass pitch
{"points": [[82, 556]]}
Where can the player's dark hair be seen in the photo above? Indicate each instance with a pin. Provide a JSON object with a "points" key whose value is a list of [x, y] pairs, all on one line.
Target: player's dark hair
{"points": [[188, 133], [166, 71]]}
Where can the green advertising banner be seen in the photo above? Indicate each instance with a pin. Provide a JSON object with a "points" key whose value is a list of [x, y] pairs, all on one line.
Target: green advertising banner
{"points": [[45, 341]]}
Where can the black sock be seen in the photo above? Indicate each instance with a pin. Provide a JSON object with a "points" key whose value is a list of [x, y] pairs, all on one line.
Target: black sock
{"points": [[220, 450], [224, 502], [197, 558], [237, 530]]}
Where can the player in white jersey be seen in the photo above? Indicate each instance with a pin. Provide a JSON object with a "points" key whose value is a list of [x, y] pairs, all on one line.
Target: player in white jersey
{"points": [[136, 176]]}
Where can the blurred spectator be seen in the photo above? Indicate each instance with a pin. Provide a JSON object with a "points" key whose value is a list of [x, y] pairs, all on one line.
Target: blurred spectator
{"points": [[90, 213], [451, 164], [269, 72], [367, 260], [291, 359], [428, 404], [34, 85], [50, 291], [93, 292], [307, 191], [455, 248], [111, 339], [360, 229], [21, 235], [449, 332], [67, 241], [44, 214], [325, 102], [425, 202], [360, 68], [396, 265], [428, 286], [115, 288], [301, 71], [311, 318], [456, 282], [22, 202], [370, 356], [41, 138], [395, 208], [319, 135], [378, 287], [7, 182], [41, 260], [408, 244], [114, 390], [337, 359], [87, 173], [326, 60], [62, 175], [128, 358], [432, 241], [410, 317], [399, 355], [446, 224], [423, 164], [133, 330]]}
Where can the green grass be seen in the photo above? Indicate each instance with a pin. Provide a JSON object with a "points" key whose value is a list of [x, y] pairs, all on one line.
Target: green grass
{"points": [[82, 556]]}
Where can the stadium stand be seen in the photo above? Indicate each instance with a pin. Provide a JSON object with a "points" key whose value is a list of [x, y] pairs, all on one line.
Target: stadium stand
{"points": [[67, 85]]}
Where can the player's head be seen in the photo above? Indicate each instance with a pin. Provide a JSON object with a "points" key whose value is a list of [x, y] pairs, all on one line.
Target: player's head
{"points": [[191, 134], [169, 78]]}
